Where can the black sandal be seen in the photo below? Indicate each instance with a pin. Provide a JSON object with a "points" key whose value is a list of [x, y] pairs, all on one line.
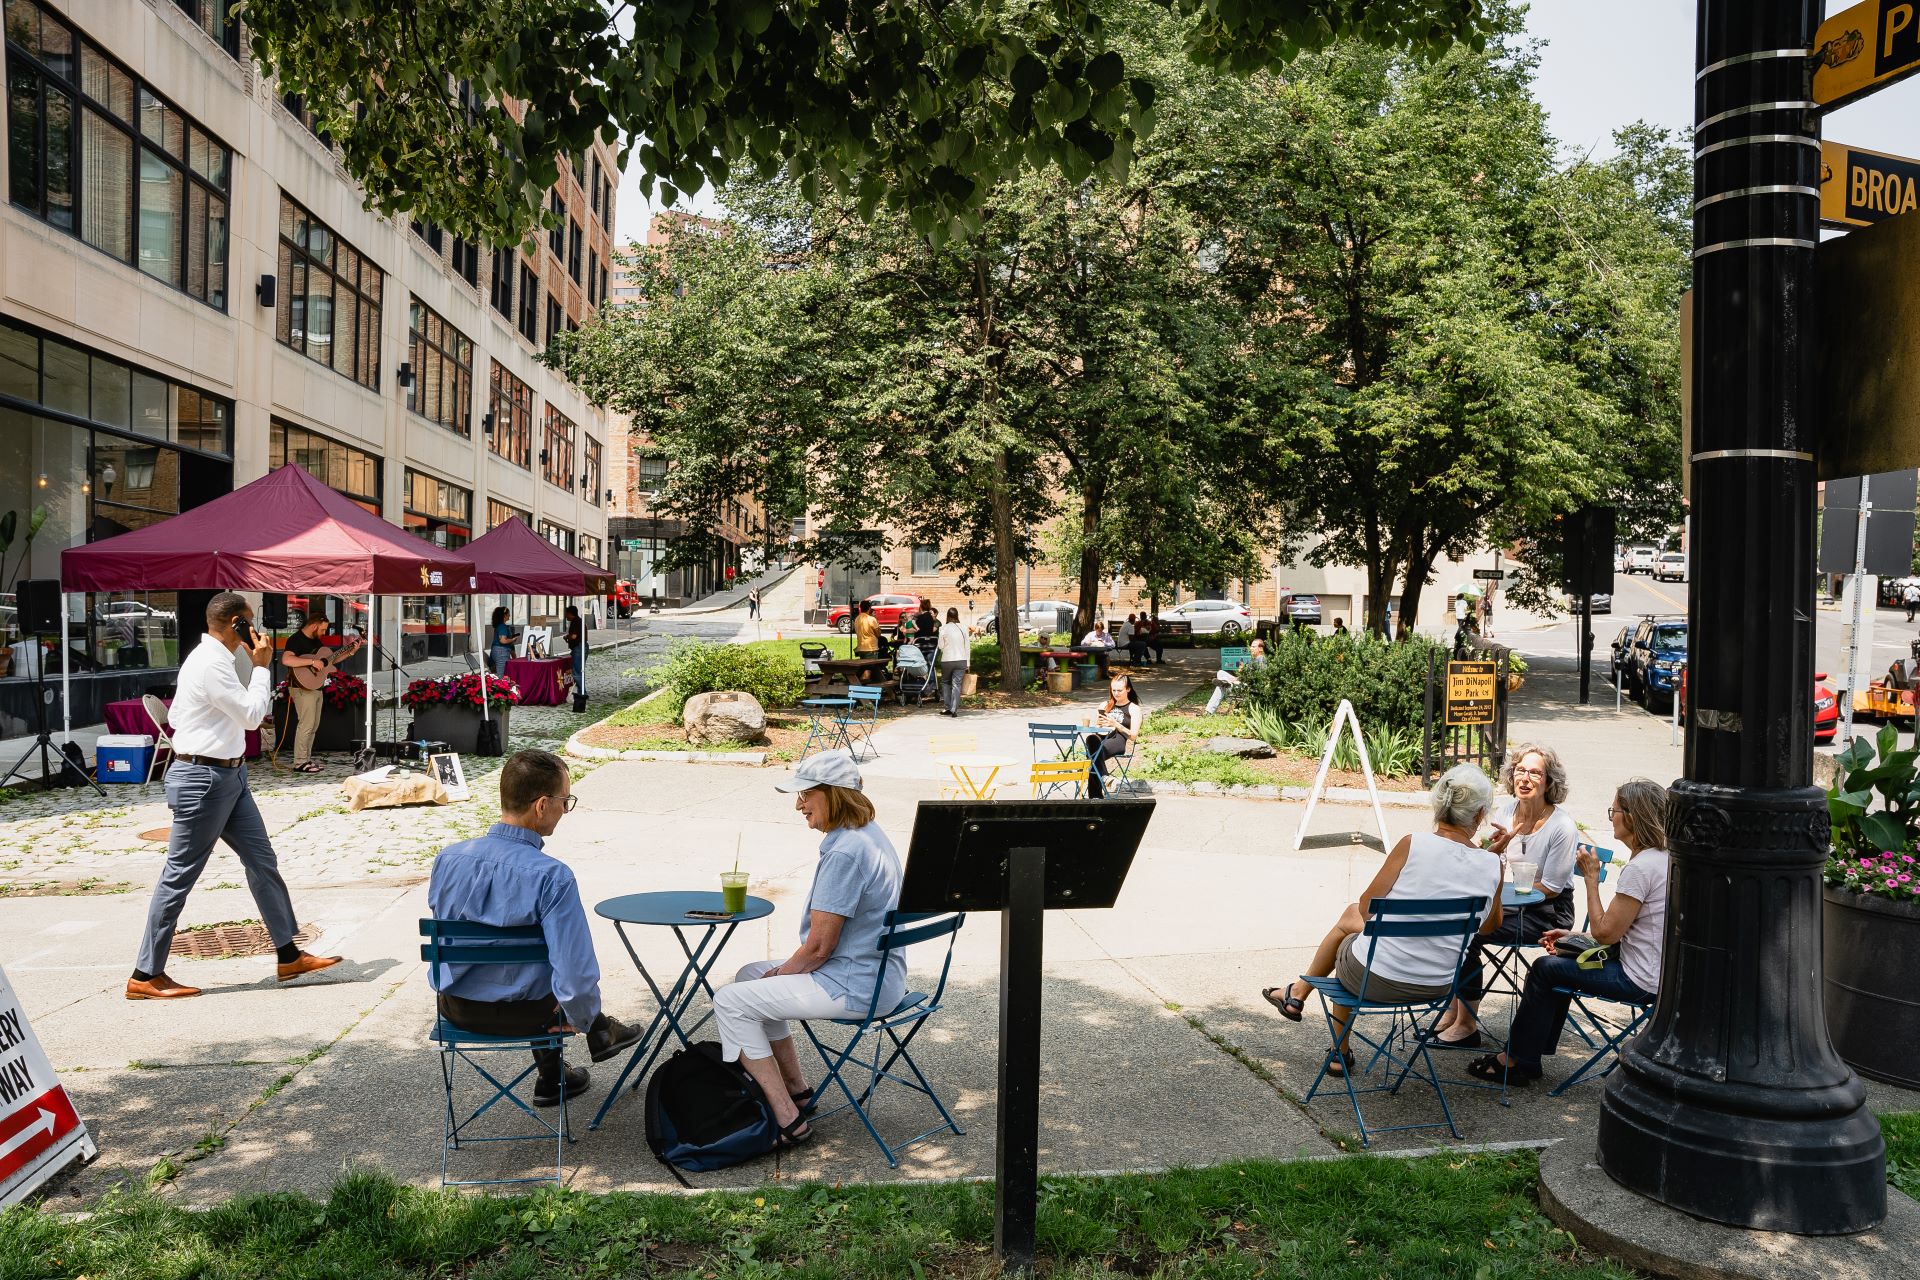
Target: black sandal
{"points": [[804, 1100], [1289, 1005], [796, 1134], [1339, 1062], [1489, 1068]]}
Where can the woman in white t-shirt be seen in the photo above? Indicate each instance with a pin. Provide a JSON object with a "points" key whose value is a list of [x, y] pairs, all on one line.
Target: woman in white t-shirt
{"points": [[1443, 864], [1634, 926]]}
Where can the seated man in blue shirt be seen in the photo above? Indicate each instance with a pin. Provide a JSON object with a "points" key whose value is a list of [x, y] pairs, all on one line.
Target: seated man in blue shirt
{"points": [[505, 878]]}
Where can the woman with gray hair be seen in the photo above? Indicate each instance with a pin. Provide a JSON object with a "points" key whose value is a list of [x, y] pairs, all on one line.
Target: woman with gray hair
{"points": [[1442, 864], [1529, 825], [1633, 926]]}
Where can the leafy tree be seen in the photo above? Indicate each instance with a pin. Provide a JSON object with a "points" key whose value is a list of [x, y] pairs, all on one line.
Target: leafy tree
{"points": [[459, 110]]}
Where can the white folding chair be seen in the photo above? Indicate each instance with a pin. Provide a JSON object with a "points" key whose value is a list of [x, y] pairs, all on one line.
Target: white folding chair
{"points": [[157, 712]]}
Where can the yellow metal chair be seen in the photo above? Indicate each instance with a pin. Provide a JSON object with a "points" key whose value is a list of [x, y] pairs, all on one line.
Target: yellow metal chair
{"points": [[1050, 775], [953, 744]]}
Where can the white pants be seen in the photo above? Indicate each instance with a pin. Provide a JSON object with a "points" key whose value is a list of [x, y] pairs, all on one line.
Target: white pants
{"points": [[1222, 681], [752, 1011]]}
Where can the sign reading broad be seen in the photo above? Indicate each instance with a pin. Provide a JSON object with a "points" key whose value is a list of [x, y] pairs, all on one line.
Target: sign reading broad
{"points": [[1470, 689], [1859, 188], [40, 1133], [1863, 48]]}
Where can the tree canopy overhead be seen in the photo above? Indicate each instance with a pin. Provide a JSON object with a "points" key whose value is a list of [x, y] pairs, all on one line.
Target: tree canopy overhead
{"points": [[921, 106]]}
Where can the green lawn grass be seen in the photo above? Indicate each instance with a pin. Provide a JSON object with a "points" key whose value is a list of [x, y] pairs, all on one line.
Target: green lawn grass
{"points": [[1903, 1151], [1471, 1216]]}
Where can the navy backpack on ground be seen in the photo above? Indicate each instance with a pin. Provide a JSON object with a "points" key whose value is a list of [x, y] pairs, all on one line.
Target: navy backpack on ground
{"points": [[703, 1113]]}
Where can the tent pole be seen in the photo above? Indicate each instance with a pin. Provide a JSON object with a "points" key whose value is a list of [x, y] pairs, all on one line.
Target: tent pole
{"points": [[373, 662], [66, 702], [474, 636]]}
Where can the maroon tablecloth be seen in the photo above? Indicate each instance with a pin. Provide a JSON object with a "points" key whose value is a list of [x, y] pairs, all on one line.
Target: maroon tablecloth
{"points": [[132, 717], [543, 681]]}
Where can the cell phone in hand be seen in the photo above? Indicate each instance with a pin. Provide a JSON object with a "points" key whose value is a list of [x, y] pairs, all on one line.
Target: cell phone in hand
{"points": [[244, 629]]}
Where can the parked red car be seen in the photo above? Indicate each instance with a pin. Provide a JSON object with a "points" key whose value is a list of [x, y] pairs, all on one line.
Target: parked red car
{"points": [[1826, 707], [623, 599], [886, 610]]}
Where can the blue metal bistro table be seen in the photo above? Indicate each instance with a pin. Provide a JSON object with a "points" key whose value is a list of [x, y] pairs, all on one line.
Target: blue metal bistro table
{"points": [[670, 910]]}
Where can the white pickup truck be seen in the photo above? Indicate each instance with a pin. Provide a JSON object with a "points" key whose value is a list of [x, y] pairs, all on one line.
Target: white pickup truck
{"points": [[1642, 559]]}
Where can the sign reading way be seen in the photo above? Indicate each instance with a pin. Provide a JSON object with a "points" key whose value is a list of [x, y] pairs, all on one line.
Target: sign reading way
{"points": [[1490, 575], [1862, 48], [1470, 692], [1859, 188], [40, 1133]]}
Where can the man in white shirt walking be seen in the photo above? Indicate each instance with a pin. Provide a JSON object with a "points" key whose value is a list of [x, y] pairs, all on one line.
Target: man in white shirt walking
{"points": [[207, 791]]}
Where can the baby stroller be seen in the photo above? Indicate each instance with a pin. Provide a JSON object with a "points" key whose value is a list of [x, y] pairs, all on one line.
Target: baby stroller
{"points": [[915, 674]]}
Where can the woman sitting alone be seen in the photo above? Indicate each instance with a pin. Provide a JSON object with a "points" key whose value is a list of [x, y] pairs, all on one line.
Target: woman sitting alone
{"points": [[1443, 864], [1633, 926]]}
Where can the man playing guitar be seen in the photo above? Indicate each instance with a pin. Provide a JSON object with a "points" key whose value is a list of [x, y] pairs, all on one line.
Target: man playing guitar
{"points": [[309, 662]]}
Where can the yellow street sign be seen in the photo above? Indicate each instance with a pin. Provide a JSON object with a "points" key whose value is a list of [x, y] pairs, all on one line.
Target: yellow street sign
{"points": [[1470, 693], [1859, 188], [1862, 48]]}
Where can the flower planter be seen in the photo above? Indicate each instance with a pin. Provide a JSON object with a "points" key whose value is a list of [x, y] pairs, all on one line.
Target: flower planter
{"points": [[457, 726], [1060, 682], [1086, 674], [1871, 955]]}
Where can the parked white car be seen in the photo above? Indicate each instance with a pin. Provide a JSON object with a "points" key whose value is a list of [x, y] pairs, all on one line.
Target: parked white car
{"points": [[1642, 559], [1212, 617], [1671, 567]]}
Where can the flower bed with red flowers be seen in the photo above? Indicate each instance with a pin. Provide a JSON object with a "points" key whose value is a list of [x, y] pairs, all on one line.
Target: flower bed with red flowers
{"points": [[341, 691], [460, 691]]}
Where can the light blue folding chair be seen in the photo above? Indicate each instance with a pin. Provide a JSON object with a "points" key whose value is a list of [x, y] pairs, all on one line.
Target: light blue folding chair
{"points": [[1403, 1046], [1050, 742], [860, 718], [462, 942], [904, 928]]}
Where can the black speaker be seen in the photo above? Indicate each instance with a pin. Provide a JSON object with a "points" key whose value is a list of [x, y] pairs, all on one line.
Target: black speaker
{"points": [[39, 606], [273, 611], [1587, 551]]}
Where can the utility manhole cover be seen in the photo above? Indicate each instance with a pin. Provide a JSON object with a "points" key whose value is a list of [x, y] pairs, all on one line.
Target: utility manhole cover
{"points": [[159, 835], [223, 941]]}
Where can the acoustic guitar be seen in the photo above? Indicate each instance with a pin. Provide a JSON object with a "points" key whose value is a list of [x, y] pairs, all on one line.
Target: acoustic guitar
{"points": [[316, 677]]}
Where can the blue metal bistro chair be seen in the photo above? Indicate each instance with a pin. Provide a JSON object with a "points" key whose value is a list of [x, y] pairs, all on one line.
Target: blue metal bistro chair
{"points": [[461, 942], [860, 718], [904, 928], [1054, 741], [1409, 1023]]}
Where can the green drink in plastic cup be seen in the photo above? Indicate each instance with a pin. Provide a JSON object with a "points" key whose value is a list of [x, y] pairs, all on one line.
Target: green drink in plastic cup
{"points": [[733, 892]]}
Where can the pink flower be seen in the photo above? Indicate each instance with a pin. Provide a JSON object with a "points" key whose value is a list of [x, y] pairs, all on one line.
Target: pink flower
{"points": [[1866, 862], [1906, 857], [1904, 879]]}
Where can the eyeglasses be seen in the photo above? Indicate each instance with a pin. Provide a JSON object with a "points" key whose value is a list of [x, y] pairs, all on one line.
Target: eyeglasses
{"points": [[1611, 811], [1530, 773], [566, 806]]}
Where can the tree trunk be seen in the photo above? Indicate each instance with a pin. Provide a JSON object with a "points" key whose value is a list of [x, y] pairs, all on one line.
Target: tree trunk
{"points": [[1419, 569], [1089, 559], [1379, 591], [1005, 575]]}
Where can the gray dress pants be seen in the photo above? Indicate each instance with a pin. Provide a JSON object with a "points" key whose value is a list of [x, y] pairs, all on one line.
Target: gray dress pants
{"points": [[210, 803]]}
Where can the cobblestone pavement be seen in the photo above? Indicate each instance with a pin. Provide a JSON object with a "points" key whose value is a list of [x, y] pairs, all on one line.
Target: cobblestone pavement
{"points": [[69, 841]]}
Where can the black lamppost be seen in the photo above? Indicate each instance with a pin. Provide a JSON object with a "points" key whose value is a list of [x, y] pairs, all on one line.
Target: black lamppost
{"points": [[1733, 1105]]}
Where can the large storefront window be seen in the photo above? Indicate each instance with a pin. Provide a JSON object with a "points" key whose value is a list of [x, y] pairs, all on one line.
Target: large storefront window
{"points": [[94, 151], [94, 444], [442, 513], [352, 472], [498, 513], [442, 358], [510, 401], [330, 297], [556, 450]]}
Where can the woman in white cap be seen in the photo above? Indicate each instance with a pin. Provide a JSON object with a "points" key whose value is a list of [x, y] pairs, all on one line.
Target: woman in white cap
{"points": [[855, 885]]}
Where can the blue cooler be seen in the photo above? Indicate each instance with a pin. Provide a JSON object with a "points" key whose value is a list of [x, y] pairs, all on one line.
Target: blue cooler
{"points": [[123, 757]]}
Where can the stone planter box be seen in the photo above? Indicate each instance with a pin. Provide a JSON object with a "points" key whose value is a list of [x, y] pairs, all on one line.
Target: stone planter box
{"points": [[458, 727], [339, 730], [1871, 956]]}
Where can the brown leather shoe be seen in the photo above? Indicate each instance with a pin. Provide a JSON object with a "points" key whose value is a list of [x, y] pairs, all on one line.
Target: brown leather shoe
{"points": [[306, 963], [158, 987]]}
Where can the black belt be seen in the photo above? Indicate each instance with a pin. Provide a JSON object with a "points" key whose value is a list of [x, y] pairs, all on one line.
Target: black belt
{"points": [[215, 761]]}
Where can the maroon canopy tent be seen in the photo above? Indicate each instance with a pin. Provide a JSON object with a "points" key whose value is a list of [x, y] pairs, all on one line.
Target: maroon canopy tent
{"points": [[284, 532], [512, 560]]}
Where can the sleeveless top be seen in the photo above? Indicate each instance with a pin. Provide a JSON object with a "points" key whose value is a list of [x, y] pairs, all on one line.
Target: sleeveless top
{"points": [[1436, 868]]}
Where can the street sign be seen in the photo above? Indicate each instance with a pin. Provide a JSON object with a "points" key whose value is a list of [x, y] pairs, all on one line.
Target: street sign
{"points": [[1868, 341], [631, 544], [1490, 575], [1864, 48], [1859, 188], [1470, 692], [40, 1133]]}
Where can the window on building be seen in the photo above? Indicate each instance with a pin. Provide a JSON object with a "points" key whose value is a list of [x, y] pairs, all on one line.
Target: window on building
{"points": [[498, 513], [438, 510], [557, 233], [43, 370], [926, 559], [500, 283], [590, 470], [650, 475], [556, 318], [529, 304], [431, 234], [589, 549], [510, 401], [442, 359], [213, 17], [329, 303], [296, 106], [556, 450], [573, 250], [593, 279], [93, 151], [344, 468], [466, 260], [559, 535]]}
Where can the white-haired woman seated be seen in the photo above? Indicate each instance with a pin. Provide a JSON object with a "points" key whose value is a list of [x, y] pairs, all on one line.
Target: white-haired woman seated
{"points": [[855, 885], [1442, 864]]}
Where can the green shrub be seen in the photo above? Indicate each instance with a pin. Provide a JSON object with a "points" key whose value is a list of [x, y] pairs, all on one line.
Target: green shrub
{"points": [[1306, 675], [695, 666]]}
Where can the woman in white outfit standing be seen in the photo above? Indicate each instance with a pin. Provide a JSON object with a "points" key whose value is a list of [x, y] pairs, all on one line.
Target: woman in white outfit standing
{"points": [[955, 652]]}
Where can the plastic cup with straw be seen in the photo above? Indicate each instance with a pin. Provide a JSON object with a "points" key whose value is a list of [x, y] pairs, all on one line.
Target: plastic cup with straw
{"points": [[733, 885]]}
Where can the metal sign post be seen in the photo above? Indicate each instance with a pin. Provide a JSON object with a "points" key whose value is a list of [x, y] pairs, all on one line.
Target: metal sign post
{"points": [[1861, 587]]}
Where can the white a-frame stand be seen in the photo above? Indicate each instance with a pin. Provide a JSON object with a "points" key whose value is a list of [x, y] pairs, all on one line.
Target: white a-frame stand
{"points": [[1343, 715]]}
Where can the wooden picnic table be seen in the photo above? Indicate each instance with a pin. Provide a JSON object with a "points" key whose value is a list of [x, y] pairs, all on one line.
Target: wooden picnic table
{"points": [[1101, 657], [853, 670]]}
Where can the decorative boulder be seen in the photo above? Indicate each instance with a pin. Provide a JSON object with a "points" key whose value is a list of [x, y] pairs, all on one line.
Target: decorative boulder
{"points": [[724, 719], [1245, 748]]}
